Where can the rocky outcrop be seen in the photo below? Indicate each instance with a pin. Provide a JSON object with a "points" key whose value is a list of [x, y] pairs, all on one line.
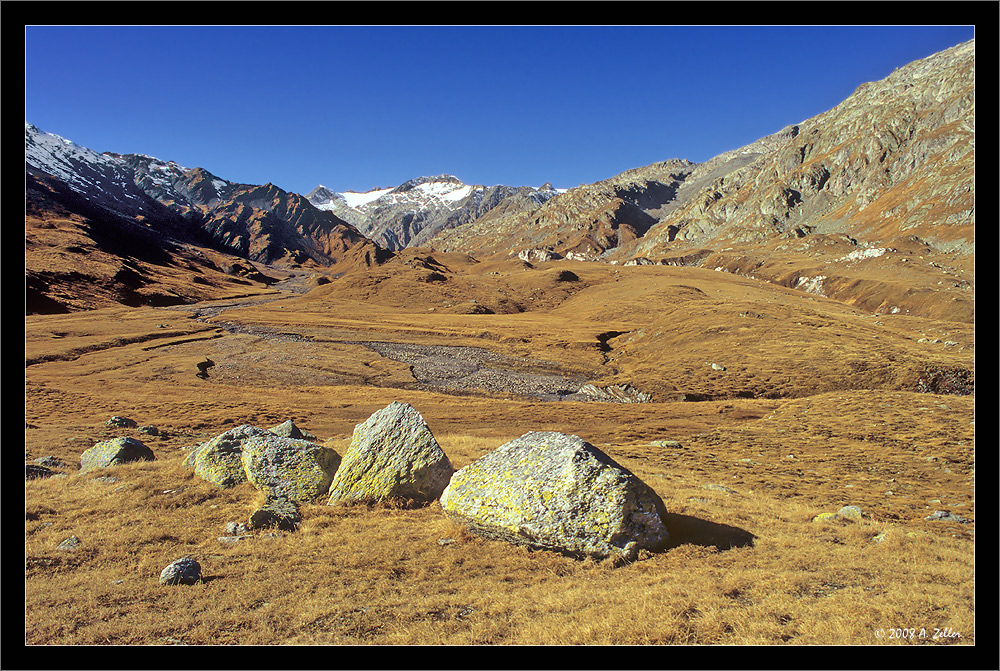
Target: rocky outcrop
{"points": [[116, 451], [582, 223], [556, 491], [393, 455]]}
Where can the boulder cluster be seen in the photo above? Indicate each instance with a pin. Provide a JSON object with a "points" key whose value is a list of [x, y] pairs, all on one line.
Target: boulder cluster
{"points": [[544, 490]]}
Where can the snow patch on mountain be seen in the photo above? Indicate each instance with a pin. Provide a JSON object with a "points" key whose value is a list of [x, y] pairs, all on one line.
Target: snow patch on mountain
{"points": [[359, 200]]}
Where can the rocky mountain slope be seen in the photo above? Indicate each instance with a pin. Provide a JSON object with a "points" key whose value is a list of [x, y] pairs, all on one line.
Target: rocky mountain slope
{"points": [[262, 223], [412, 213], [888, 174], [871, 203], [105, 226]]}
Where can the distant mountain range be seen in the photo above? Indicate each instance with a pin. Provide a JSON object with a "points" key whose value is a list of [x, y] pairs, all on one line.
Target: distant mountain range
{"points": [[414, 212], [893, 166]]}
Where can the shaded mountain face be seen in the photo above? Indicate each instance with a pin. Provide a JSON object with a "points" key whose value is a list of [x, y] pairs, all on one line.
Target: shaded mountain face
{"points": [[414, 212], [264, 224]]}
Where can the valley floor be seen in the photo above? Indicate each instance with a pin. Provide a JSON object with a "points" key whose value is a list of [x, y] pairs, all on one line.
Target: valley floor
{"points": [[811, 406]]}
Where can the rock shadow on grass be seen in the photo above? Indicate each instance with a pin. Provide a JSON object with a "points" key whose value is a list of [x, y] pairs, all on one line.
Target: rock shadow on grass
{"points": [[685, 529]]}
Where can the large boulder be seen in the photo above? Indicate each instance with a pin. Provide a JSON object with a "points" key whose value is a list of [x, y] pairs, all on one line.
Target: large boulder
{"points": [[297, 470], [219, 460], [393, 455], [120, 450], [556, 491]]}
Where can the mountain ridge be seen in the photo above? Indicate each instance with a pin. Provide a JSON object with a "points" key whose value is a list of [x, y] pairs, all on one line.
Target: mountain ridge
{"points": [[415, 211], [892, 167]]}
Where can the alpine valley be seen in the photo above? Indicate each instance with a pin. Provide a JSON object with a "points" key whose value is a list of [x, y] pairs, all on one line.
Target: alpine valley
{"points": [[779, 342]]}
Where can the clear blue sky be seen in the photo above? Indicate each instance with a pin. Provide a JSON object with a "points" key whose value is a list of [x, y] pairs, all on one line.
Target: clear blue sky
{"points": [[361, 107]]}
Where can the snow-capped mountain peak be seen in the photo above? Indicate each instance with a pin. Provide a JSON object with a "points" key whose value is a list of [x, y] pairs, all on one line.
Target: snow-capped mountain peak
{"points": [[396, 217]]}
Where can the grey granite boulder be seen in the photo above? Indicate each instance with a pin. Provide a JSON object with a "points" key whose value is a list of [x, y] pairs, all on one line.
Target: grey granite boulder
{"points": [[297, 470], [120, 450], [393, 455], [556, 491]]}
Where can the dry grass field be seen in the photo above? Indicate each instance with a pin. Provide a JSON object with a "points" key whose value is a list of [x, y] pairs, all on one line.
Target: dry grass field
{"points": [[812, 405]]}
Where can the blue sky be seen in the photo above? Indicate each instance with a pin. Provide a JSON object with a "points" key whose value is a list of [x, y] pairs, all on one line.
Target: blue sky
{"points": [[362, 107]]}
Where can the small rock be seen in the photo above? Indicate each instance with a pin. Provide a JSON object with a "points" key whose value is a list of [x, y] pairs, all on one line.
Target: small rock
{"points": [[945, 516], [881, 537], [34, 472], [277, 513], [675, 444], [716, 366], [287, 429], [149, 430], [51, 462], [119, 422], [184, 571], [852, 513], [236, 529], [70, 543], [233, 540]]}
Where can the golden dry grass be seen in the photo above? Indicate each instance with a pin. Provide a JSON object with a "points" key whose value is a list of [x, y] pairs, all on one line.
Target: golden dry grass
{"points": [[747, 566]]}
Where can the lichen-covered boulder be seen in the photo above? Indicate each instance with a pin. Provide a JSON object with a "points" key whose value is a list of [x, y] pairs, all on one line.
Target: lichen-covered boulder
{"points": [[297, 470], [393, 455], [120, 450], [219, 460], [556, 491]]}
